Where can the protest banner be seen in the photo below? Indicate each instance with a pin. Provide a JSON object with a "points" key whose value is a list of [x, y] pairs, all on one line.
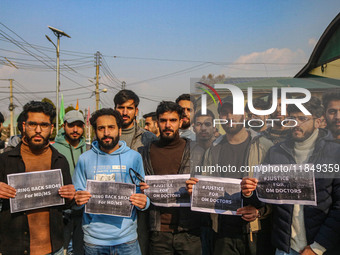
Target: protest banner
{"points": [[168, 190], [286, 184], [216, 195], [36, 190], [110, 198]]}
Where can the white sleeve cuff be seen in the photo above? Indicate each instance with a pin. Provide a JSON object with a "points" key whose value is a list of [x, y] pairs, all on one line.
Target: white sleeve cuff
{"points": [[317, 248]]}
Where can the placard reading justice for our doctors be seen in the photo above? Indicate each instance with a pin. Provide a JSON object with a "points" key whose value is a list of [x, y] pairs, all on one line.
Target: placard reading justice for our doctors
{"points": [[286, 184], [168, 190], [110, 198], [216, 195], [36, 190]]}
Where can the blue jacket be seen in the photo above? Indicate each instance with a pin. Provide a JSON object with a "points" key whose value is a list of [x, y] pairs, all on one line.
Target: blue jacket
{"points": [[322, 222], [94, 165]]}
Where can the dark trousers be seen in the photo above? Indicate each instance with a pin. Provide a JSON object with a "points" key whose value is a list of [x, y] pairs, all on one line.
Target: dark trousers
{"points": [[73, 231], [182, 243], [240, 244]]}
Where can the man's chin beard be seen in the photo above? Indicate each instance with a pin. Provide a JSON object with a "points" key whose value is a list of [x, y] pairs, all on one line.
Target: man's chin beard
{"points": [[35, 146], [233, 130], [126, 124], [108, 146], [70, 138], [169, 139], [185, 125]]}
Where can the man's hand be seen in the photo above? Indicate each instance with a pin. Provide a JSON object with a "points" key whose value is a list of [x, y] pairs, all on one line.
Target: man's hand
{"points": [[82, 197], [7, 191], [138, 200], [307, 251], [67, 191], [248, 185], [190, 184], [143, 186], [249, 213]]}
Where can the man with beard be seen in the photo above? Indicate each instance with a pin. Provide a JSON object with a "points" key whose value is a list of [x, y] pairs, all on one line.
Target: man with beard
{"points": [[238, 147], [188, 108], [126, 103], [151, 123], [299, 229], [38, 231], [331, 103], [276, 132], [109, 160], [258, 122], [71, 143], [204, 129], [173, 230]]}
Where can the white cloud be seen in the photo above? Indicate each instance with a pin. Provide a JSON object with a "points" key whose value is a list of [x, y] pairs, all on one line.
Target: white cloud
{"points": [[312, 42], [271, 62]]}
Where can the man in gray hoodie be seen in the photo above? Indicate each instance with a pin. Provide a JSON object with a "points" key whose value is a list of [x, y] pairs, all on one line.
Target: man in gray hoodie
{"points": [[71, 143]]}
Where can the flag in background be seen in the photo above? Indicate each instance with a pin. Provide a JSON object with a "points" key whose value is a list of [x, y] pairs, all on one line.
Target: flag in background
{"points": [[62, 110], [77, 106]]}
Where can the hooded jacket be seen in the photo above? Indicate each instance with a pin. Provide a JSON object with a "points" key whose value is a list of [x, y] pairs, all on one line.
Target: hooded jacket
{"points": [[71, 153], [93, 165]]}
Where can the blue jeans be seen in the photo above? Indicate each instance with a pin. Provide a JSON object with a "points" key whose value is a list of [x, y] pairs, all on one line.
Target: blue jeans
{"points": [[129, 248], [59, 252], [292, 252]]}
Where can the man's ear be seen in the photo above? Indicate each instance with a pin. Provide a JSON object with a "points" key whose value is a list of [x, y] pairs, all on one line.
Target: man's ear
{"points": [[52, 127], [120, 132], [24, 127], [136, 112], [317, 123], [180, 123]]}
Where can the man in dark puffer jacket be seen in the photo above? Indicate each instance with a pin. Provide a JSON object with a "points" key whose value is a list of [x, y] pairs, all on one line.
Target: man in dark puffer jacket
{"points": [[301, 229]]}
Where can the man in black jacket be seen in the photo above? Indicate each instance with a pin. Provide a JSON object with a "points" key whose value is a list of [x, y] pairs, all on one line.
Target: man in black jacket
{"points": [[299, 229], [38, 231], [173, 230]]}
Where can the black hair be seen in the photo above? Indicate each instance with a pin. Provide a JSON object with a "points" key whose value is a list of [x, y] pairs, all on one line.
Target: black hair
{"points": [[186, 97], [258, 103], [168, 106], [38, 106], [313, 106], [152, 115], [333, 95], [2, 119], [124, 95], [199, 114], [106, 112], [20, 120]]}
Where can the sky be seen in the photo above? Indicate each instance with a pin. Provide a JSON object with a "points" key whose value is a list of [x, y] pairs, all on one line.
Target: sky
{"points": [[154, 46]]}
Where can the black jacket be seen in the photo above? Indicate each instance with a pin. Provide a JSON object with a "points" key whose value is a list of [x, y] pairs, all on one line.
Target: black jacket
{"points": [[14, 229], [188, 220], [322, 222]]}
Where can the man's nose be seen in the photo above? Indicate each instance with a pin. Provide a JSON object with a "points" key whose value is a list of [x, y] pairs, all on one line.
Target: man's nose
{"points": [[125, 111], [337, 115], [106, 131]]}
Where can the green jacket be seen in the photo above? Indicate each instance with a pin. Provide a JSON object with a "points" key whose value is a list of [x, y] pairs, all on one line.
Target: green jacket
{"points": [[71, 153]]}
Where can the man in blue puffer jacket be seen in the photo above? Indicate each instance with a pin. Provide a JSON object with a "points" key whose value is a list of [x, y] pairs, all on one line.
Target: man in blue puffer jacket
{"points": [[299, 229], [109, 160]]}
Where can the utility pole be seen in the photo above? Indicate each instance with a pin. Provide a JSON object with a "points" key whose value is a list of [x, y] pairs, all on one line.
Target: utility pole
{"points": [[11, 105], [123, 84], [98, 58]]}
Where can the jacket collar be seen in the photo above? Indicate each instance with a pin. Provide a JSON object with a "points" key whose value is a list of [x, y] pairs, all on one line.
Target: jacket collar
{"points": [[324, 135]]}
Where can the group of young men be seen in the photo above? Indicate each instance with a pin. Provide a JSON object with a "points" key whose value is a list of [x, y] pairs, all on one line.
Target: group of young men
{"points": [[175, 136]]}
